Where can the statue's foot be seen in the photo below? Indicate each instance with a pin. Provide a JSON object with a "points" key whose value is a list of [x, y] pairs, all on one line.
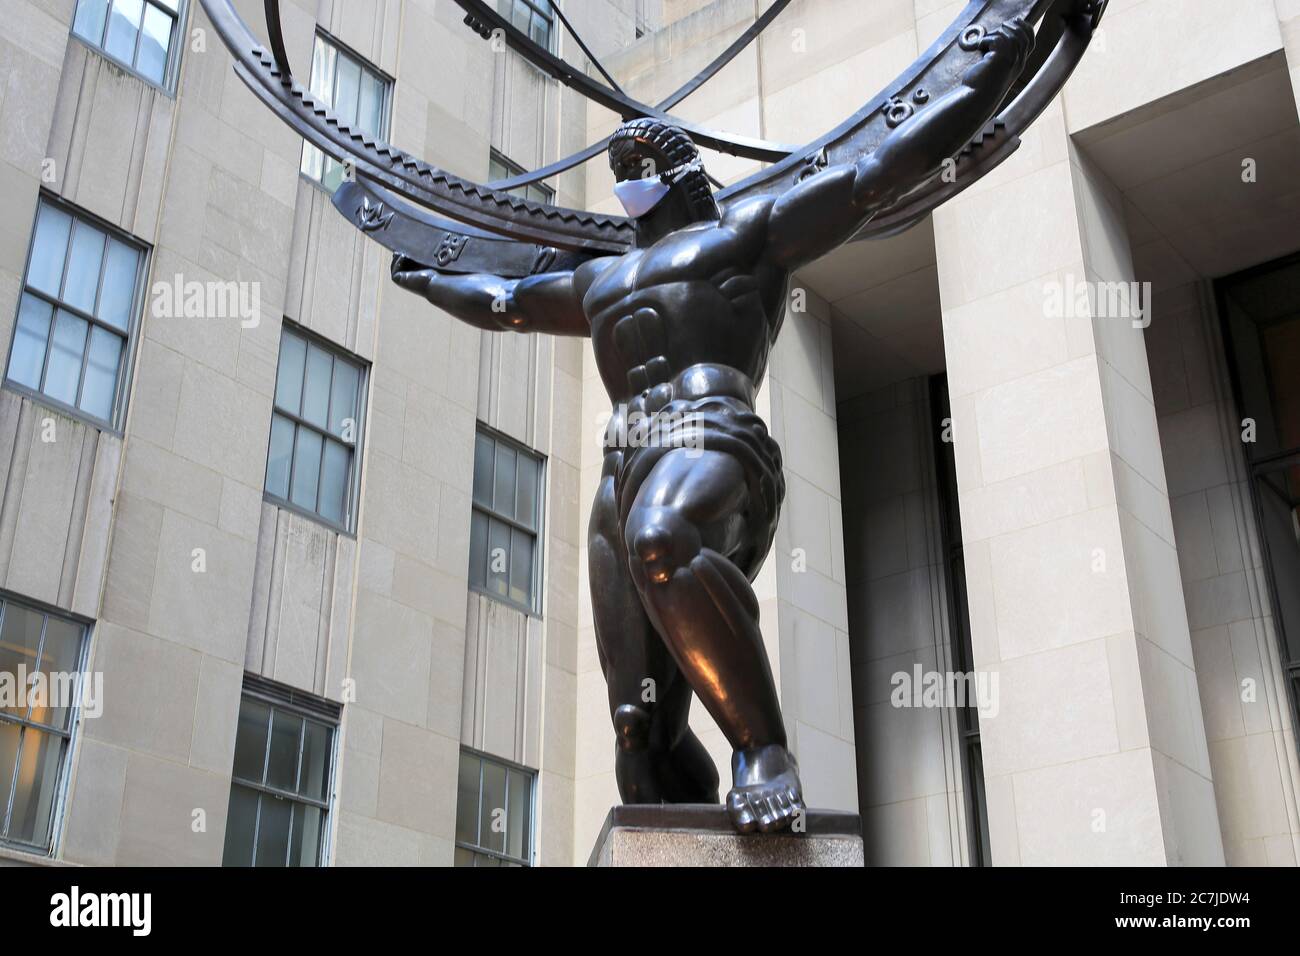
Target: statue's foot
{"points": [[767, 794]]}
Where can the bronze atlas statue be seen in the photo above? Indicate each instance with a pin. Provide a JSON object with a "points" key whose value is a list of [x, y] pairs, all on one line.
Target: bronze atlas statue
{"points": [[683, 300]]}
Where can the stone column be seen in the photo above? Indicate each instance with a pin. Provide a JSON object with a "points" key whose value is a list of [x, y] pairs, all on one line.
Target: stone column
{"points": [[1095, 751]]}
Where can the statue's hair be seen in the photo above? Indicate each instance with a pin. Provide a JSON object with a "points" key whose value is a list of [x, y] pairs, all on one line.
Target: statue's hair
{"points": [[671, 147]]}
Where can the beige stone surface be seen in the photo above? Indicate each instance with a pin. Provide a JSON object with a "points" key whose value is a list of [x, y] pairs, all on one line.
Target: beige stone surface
{"points": [[700, 836]]}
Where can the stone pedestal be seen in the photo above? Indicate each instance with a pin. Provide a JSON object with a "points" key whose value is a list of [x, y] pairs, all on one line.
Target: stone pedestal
{"points": [[702, 835]]}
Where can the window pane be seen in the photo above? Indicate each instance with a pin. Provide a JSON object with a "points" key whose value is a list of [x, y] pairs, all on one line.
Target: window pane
{"points": [[38, 778], [540, 32], [463, 858], [311, 161], [331, 176], [154, 42], [316, 392], [521, 567], [498, 558], [250, 740], [60, 662], [484, 454], [520, 813], [288, 375], [519, 17], [101, 373], [89, 23], [87, 255], [123, 27], [279, 457], [322, 71], [9, 736], [118, 293], [526, 498], [335, 471], [347, 90], [304, 849], [306, 469], [478, 545], [343, 401], [241, 823], [467, 799], [503, 499], [273, 831], [20, 639], [282, 765], [68, 344], [49, 248], [315, 761], [493, 806], [30, 337], [371, 114]]}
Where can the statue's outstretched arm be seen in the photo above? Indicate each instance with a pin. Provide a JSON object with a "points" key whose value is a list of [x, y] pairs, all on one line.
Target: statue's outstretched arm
{"points": [[547, 302], [826, 209]]}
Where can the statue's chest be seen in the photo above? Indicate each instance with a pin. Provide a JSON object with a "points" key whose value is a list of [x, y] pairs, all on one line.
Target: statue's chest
{"points": [[688, 260]]}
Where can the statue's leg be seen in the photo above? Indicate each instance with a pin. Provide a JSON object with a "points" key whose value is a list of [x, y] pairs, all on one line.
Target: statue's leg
{"points": [[657, 758], [689, 516]]}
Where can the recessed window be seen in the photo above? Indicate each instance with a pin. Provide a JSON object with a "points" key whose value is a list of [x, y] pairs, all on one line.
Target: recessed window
{"points": [[533, 18], [507, 508], [494, 812], [81, 296], [139, 34], [41, 670], [282, 779], [501, 168], [355, 92], [311, 464]]}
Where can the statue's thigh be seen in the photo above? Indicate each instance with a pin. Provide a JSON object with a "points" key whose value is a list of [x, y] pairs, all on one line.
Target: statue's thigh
{"points": [[707, 489]]}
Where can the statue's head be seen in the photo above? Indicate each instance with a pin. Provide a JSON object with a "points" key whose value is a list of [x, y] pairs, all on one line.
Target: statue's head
{"points": [[653, 162]]}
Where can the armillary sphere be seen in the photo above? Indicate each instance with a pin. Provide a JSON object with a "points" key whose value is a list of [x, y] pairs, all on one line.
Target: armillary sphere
{"points": [[458, 225]]}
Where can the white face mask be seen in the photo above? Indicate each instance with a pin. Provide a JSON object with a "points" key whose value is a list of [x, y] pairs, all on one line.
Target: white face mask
{"points": [[639, 196]]}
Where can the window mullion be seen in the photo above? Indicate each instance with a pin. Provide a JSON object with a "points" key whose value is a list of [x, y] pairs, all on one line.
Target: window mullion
{"points": [[6, 820], [266, 754], [478, 817], [257, 829], [288, 843], [302, 741]]}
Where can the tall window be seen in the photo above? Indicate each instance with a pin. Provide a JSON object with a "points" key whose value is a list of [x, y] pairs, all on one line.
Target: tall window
{"points": [[533, 18], [311, 465], [501, 168], [507, 508], [963, 656], [81, 296], [41, 661], [355, 92], [282, 778], [494, 812], [138, 34], [1260, 310]]}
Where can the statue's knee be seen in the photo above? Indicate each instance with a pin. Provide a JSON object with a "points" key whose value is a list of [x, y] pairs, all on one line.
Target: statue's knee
{"points": [[631, 727], [661, 541]]}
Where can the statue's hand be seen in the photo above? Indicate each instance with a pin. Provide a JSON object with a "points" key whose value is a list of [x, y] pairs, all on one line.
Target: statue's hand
{"points": [[409, 274], [1010, 44]]}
